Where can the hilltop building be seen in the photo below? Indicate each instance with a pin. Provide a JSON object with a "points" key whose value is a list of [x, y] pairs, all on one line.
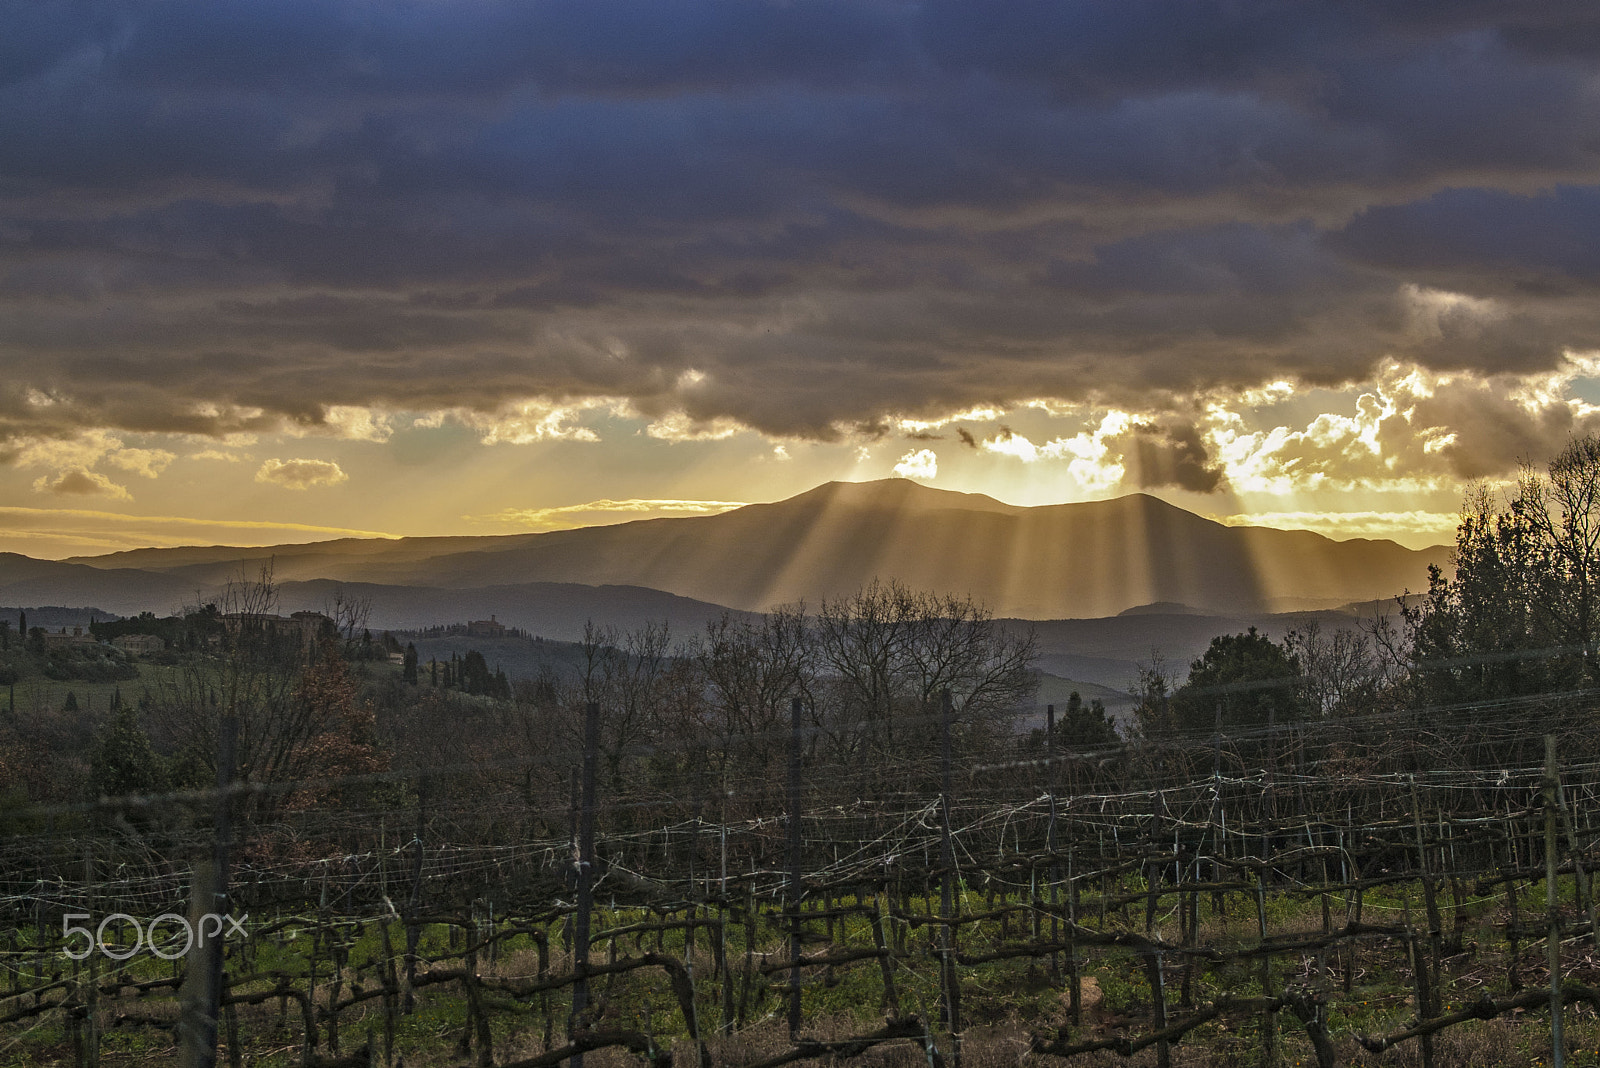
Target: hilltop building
{"points": [[306, 626], [486, 628]]}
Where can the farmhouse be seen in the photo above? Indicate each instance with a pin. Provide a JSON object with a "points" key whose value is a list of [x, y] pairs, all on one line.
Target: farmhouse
{"points": [[139, 644], [62, 640]]}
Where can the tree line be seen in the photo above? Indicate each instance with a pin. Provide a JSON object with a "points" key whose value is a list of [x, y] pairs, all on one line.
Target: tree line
{"points": [[1517, 617], [705, 714]]}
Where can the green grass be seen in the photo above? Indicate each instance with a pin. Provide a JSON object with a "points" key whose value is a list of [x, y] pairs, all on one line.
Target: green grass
{"points": [[1013, 993]]}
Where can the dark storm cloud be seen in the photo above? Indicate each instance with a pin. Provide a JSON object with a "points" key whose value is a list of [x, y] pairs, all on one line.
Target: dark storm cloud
{"points": [[1546, 242], [220, 215], [1169, 455]]}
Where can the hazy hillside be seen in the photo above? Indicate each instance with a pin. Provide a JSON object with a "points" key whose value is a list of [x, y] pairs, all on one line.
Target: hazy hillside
{"points": [[1063, 561], [556, 610], [125, 591], [1108, 652], [553, 609]]}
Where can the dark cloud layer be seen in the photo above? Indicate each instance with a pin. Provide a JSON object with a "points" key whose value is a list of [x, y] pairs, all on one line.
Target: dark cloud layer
{"points": [[1172, 455], [225, 215]]}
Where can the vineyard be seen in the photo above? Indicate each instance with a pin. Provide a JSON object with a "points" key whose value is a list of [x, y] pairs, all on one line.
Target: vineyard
{"points": [[1400, 887]]}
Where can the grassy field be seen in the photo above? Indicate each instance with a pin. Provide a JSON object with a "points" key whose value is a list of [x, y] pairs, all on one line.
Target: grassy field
{"points": [[1004, 1002]]}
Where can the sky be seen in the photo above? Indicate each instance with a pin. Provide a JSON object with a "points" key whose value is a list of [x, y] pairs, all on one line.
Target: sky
{"points": [[284, 271]]}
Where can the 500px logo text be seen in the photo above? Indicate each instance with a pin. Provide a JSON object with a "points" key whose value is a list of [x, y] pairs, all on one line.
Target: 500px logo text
{"points": [[211, 926]]}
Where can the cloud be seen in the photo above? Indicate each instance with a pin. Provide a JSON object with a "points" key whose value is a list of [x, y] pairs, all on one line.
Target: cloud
{"points": [[813, 221], [1415, 527], [85, 449], [300, 474], [1171, 455], [357, 423], [80, 450], [1090, 458], [919, 463], [531, 421], [147, 462], [679, 426], [604, 510], [80, 483], [84, 530]]}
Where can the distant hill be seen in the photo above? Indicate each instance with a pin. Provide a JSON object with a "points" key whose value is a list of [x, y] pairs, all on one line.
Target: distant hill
{"points": [[556, 610], [553, 609], [1089, 560], [125, 591], [1109, 652], [54, 617]]}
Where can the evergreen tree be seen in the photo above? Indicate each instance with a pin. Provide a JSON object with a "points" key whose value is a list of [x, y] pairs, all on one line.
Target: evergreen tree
{"points": [[1243, 681], [1085, 726], [474, 673], [122, 760], [1520, 615], [408, 670]]}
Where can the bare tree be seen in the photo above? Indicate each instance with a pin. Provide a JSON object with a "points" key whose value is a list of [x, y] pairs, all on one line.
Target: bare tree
{"points": [[286, 693], [1340, 665], [891, 652], [350, 615], [623, 673], [752, 670], [1562, 509]]}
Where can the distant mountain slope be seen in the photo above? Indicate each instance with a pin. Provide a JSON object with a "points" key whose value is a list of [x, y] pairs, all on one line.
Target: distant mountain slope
{"points": [[1110, 651], [1062, 561], [125, 591], [554, 609]]}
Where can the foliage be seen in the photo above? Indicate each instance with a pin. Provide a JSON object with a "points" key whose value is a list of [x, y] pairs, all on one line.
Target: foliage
{"points": [[1520, 615], [1152, 697], [1242, 681], [1079, 726], [122, 760], [340, 739]]}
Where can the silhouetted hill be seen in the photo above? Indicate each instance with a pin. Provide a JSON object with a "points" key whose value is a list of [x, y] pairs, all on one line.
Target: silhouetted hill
{"points": [[555, 610], [1086, 560], [125, 591]]}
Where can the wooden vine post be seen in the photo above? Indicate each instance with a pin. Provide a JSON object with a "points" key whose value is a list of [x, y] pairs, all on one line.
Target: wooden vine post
{"points": [[202, 984], [1552, 790], [1427, 966], [796, 887], [580, 926], [1050, 847], [947, 888], [414, 903]]}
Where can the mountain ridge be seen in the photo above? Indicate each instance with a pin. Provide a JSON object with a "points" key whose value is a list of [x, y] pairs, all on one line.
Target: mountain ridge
{"points": [[1082, 560]]}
